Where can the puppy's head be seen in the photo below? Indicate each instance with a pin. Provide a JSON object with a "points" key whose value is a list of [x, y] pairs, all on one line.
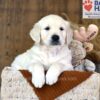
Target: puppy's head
{"points": [[52, 30]]}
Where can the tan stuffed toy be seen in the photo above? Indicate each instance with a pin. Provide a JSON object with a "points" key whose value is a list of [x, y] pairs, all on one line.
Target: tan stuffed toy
{"points": [[85, 35], [78, 57], [81, 45]]}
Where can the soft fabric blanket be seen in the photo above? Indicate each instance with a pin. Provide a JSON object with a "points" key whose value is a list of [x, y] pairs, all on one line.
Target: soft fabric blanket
{"points": [[72, 85], [67, 81]]}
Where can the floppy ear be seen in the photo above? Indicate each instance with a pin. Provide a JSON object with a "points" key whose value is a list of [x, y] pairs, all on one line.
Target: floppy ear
{"points": [[35, 33], [69, 33]]}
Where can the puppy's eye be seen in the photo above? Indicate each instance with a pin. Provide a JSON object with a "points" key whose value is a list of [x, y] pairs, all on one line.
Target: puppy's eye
{"points": [[47, 28], [61, 28]]}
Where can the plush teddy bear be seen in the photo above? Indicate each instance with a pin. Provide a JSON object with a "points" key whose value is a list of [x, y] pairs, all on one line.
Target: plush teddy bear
{"points": [[85, 35], [81, 45], [78, 55]]}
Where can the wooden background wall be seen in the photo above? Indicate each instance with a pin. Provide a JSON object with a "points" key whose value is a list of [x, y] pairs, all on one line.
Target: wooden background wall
{"points": [[18, 16]]}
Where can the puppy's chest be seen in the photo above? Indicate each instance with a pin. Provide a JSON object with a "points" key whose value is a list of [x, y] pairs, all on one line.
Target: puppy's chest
{"points": [[52, 55]]}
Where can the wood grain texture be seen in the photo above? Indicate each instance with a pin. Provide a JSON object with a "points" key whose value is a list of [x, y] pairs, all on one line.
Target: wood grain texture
{"points": [[18, 16]]}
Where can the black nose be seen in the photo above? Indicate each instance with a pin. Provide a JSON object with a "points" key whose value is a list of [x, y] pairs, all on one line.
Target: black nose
{"points": [[55, 38]]}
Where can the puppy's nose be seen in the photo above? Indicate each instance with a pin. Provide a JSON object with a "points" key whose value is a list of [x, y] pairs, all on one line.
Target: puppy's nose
{"points": [[55, 37]]}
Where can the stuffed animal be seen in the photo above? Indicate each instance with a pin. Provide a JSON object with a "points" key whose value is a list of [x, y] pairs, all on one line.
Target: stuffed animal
{"points": [[78, 57], [81, 45], [85, 35]]}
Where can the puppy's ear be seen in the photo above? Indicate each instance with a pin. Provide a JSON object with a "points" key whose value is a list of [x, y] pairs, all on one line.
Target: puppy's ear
{"points": [[69, 36], [35, 33]]}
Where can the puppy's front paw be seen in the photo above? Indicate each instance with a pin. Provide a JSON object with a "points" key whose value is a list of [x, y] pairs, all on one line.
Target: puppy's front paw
{"points": [[51, 79], [38, 81]]}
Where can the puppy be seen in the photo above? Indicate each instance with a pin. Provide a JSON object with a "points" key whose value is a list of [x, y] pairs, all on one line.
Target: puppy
{"points": [[52, 35]]}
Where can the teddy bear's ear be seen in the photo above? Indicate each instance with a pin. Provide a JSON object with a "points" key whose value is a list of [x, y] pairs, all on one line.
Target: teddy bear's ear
{"points": [[78, 36], [92, 32], [65, 16], [35, 33]]}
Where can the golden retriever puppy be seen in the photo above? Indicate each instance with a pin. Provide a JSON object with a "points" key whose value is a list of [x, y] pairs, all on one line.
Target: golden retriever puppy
{"points": [[52, 35]]}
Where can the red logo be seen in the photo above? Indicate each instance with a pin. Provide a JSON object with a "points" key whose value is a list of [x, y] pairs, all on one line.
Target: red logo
{"points": [[87, 5]]}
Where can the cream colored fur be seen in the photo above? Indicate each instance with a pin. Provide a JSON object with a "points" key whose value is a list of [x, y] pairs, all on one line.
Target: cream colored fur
{"points": [[43, 55]]}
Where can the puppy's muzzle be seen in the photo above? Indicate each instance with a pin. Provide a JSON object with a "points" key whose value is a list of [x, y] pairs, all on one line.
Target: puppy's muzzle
{"points": [[55, 40]]}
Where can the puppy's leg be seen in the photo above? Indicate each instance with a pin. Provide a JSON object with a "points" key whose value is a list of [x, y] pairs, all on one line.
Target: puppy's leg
{"points": [[38, 76], [53, 73]]}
